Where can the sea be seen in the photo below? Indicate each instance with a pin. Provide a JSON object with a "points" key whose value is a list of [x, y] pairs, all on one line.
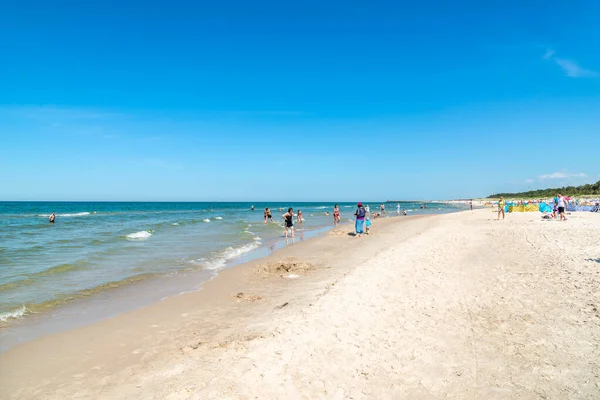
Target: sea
{"points": [[100, 259]]}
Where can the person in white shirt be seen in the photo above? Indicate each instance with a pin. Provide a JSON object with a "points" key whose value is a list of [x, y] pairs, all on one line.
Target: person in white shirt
{"points": [[562, 204]]}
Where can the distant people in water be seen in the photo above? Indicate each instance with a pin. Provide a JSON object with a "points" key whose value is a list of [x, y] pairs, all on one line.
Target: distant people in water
{"points": [[421, 206], [367, 209], [382, 208], [327, 213], [336, 215], [268, 216], [299, 217], [252, 208], [288, 217], [404, 212], [52, 217], [398, 209]]}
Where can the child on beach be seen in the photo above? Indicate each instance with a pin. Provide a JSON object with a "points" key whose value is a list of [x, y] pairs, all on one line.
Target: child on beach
{"points": [[288, 217], [367, 225], [501, 204], [299, 217]]}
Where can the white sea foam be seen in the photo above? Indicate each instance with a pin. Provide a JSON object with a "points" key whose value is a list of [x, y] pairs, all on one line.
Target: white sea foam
{"points": [[206, 220], [218, 217], [229, 254], [18, 313], [141, 235], [80, 214], [174, 224], [321, 208]]}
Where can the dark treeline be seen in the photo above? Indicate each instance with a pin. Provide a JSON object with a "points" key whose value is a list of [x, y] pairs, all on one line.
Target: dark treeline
{"points": [[588, 189]]}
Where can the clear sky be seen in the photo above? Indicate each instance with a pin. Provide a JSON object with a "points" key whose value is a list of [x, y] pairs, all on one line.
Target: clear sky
{"points": [[310, 100]]}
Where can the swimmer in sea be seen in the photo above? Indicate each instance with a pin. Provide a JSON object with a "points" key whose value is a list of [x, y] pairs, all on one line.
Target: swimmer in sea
{"points": [[52, 217], [268, 216], [252, 208], [288, 217], [299, 217]]}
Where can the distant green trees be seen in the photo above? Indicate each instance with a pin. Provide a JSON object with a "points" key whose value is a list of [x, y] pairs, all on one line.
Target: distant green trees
{"points": [[588, 189]]}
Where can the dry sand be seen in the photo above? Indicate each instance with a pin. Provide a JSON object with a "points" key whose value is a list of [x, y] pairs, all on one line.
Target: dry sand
{"points": [[452, 306]]}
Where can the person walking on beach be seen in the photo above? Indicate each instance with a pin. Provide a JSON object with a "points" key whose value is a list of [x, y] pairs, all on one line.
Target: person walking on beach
{"points": [[501, 204], [360, 220], [471, 205], [336, 215], [52, 217], [268, 216], [288, 217], [562, 204]]}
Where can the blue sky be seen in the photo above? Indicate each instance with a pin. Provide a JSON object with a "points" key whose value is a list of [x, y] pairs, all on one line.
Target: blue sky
{"points": [[254, 101]]}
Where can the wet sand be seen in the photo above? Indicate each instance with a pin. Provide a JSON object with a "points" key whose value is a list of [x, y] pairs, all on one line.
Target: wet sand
{"points": [[456, 305]]}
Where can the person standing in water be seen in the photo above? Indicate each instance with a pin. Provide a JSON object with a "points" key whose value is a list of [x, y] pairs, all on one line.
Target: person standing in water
{"points": [[52, 217], [360, 220], [288, 217], [382, 208], [336, 215], [398, 208], [268, 216], [501, 204], [252, 208], [299, 217]]}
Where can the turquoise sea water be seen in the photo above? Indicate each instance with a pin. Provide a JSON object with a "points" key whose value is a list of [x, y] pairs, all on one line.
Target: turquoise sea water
{"points": [[97, 246]]}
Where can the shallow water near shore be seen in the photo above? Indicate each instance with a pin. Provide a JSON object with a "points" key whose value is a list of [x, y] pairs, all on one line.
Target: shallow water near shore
{"points": [[101, 259]]}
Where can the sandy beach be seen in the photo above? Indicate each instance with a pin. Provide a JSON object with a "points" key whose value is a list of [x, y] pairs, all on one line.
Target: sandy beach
{"points": [[450, 306]]}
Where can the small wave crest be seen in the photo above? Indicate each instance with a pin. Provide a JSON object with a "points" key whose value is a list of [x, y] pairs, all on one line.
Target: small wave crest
{"points": [[13, 314], [221, 259], [206, 220], [141, 235], [218, 217], [79, 214]]}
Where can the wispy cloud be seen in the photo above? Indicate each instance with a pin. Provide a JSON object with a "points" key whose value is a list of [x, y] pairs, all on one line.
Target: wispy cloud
{"points": [[549, 54], [570, 67], [528, 180], [562, 175]]}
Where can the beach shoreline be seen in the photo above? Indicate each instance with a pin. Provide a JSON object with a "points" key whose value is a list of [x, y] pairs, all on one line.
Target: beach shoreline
{"points": [[94, 304], [262, 310]]}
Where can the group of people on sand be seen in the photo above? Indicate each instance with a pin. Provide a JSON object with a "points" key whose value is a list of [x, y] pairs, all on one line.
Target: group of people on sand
{"points": [[561, 203]]}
